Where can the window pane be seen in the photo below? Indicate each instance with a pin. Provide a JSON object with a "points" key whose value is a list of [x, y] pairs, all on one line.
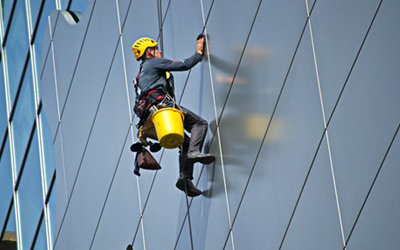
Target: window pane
{"points": [[23, 117], [79, 5], [3, 108], [64, 4], [40, 243], [48, 150], [30, 195], [17, 47], [7, 4], [35, 5], [48, 7], [52, 213], [9, 240], [6, 185]]}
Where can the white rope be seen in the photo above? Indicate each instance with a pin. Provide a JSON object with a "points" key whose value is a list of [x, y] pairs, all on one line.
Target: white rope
{"points": [[325, 127], [217, 127]]}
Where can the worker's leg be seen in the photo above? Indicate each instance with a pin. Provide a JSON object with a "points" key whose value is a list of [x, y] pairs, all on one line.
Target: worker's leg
{"points": [[184, 182], [185, 170], [197, 127]]}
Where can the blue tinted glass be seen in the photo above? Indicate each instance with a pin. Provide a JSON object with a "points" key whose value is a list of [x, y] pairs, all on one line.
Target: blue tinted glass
{"points": [[30, 195], [23, 117], [64, 4], [7, 4], [41, 238], [48, 149], [48, 7], [9, 236], [52, 213], [3, 108], [5, 182], [17, 47], [35, 5], [79, 5]]}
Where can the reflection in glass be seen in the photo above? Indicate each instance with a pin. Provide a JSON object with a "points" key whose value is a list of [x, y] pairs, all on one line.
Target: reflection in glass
{"points": [[52, 212], [9, 239], [64, 4], [40, 241], [17, 45], [35, 5], [38, 43], [23, 117], [6, 185], [48, 149], [30, 194], [3, 108], [7, 4], [79, 5]]}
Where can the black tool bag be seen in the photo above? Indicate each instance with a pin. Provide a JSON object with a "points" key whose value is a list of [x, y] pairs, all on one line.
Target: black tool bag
{"points": [[140, 108], [144, 159], [143, 105]]}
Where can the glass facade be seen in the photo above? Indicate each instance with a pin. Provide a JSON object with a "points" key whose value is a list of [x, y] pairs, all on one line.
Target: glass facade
{"points": [[302, 101], [27, 165]]}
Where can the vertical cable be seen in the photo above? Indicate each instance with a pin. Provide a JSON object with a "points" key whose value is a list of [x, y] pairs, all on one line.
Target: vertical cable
{"points": [[160, 25], [217, 127], [187, 204], [325, 126]]}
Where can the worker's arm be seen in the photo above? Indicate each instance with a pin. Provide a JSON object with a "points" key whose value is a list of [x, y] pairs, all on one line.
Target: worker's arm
{"points": [[188, 63], [175, 65]]}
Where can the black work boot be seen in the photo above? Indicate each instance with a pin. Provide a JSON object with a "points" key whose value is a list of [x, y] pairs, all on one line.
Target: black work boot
{"points": [[186, 184], [196, 156]]}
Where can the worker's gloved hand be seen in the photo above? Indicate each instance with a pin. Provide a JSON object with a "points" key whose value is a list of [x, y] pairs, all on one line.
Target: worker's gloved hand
{"points": [[200, 44]]}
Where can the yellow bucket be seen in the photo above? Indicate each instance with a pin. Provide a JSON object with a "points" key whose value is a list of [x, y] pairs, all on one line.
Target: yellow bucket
{"points": [[169, 127]]}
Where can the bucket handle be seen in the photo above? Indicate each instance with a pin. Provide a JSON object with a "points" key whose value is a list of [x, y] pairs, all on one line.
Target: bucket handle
{"points": [[168, 97]]}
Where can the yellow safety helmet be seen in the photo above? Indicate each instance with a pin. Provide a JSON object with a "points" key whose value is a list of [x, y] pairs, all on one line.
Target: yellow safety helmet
{"points": [[140, 46]]}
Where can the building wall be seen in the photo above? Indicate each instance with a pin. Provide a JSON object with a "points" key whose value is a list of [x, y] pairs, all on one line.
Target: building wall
{"points": [[302, 100], [27, 172]]}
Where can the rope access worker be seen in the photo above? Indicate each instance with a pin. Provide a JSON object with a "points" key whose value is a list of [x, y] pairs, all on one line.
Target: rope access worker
{"points": [[153, 83]]}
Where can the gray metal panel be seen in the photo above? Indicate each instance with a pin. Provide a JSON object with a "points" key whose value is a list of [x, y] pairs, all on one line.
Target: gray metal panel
{"points": [[163, 215], [61, 188], [259, 86], [339, 28], [124, 7], [210, 221], [139, 239], [102, 154], [228, 31], [63, 240], [284, 160], [367, 114], [122, 201], [315, 224], [87, 88], [378, 225], [68, 40]]}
